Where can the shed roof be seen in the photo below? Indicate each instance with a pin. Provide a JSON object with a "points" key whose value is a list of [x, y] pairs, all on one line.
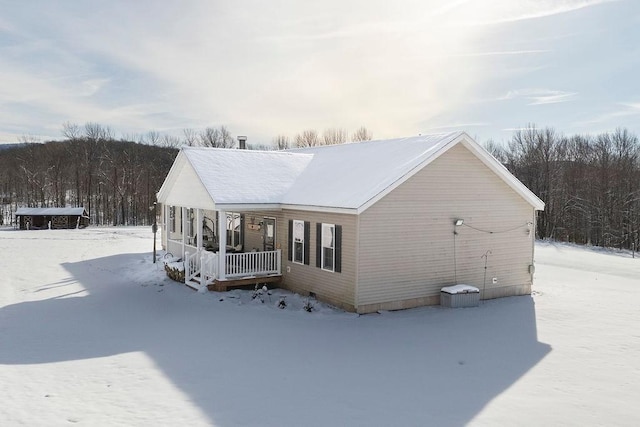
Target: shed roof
{"points": [[50, 211], [349, 176]]}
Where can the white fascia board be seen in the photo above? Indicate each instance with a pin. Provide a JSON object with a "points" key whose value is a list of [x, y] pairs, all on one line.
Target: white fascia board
{"points": [[238, 207], [241, 207], [323, 209]]}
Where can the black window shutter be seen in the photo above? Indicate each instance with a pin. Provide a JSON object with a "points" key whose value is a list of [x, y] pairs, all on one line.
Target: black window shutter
{"points": [[307, 241], [318, 244], [338, 249], [290, 241]]}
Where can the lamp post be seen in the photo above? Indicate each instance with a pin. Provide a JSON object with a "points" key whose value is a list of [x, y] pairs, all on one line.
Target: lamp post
{"points": [[154, 228]]}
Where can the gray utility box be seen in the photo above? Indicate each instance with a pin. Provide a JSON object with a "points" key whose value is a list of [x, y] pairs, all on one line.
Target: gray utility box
{"points": [[459, 296]]}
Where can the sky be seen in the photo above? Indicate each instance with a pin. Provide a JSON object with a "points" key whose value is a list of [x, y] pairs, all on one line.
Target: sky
{"points": [[263, 69]]}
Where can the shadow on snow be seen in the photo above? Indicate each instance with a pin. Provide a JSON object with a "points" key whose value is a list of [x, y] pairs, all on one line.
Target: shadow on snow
{"points": [[243, 365]]}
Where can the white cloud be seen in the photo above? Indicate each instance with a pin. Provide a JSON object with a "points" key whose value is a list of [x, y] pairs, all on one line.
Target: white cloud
{"points": [[269, 68], [540, 96], [488, 12], [620, 110]]}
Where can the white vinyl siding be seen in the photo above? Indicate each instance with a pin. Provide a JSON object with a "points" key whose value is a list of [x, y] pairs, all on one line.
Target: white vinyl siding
{"points": [[337, 289], [406, 243]]}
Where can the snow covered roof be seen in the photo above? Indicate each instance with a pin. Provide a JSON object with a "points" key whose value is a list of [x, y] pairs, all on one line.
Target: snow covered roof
{"points": [[50, 211], [349, 177], [246, 176]]}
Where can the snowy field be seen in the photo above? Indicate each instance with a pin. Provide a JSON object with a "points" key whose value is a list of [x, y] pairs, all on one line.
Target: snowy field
{"points": [[93, 333]]}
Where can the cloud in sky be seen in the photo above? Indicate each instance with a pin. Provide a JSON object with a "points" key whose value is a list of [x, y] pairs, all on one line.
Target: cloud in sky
{"points": [[268, 68], [540, 96]]}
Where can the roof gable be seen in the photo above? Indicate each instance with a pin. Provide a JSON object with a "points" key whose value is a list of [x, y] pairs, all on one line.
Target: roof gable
{"points": [[352, 175], [184, 187]]}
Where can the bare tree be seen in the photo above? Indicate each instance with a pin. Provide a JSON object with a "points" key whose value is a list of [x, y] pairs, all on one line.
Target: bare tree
{"points": [[170, 141], [281, 142], [71, 131], [362, 134], [216, 137], [190, 136], [29, 139], [97, 132], [308, 138], [334, 136], [496, 151], [153, 137]]}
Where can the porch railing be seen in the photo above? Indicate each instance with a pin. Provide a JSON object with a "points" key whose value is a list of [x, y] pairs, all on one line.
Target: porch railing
{"points": [[208, 267], [191, 266], [237, 265], [253, 264]]}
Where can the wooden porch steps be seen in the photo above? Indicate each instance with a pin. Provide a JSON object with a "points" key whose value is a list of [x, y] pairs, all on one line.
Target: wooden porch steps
{"points": [[193, 283], [225, 285]]}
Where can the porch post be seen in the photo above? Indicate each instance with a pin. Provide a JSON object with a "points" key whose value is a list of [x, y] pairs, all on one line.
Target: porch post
{"points": [[222, 244], [165, 228], [183, 216], [199, 229]]}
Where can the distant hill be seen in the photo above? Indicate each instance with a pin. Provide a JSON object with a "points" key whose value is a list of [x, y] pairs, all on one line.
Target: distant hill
{"points": [[11, 145]]}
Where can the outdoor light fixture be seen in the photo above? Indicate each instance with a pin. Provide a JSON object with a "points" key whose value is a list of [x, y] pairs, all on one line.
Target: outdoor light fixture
{"points": [[459, 222]]}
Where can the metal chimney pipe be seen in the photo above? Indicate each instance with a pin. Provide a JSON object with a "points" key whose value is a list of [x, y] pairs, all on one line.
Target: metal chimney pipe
{"points": [[242, 142]]}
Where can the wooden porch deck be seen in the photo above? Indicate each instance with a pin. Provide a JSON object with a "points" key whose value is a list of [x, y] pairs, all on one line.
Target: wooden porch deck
{"points": [[225, 285]]}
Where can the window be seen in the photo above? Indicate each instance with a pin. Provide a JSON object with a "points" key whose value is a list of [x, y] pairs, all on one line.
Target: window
{"points": [[190, 226], [299, 238], [298, 241], [234, 229], [172, 219], [329, 247]]}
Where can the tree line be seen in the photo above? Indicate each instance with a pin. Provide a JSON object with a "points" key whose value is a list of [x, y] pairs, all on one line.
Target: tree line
{"points": [[589, 183], [114, 180]]}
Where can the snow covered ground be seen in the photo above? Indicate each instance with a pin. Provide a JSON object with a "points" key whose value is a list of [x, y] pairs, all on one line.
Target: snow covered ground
{"points": [[93, 333]]}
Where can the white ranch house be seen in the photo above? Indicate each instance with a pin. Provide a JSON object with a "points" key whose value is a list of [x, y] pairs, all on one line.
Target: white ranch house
{"points": [[377, 225]]}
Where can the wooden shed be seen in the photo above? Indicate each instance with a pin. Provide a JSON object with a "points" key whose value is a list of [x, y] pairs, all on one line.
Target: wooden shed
{"points": [[376, 225], [53, 218]]}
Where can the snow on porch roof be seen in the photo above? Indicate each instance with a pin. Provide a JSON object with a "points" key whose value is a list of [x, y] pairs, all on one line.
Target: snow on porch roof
{"points": [[246, 176], [50, 211]]}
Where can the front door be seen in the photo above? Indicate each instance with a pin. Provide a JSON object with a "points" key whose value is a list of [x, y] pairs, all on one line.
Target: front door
{"points": [[269, 234]]}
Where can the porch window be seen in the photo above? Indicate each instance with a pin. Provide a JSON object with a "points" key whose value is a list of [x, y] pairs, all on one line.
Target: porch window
{"points": [[329, 247], [299, 241], [234, 229], [172, 219], [190, 226]]}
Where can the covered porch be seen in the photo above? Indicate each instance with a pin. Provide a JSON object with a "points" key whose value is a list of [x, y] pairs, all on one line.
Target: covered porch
{"points": [[211, 243]]}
